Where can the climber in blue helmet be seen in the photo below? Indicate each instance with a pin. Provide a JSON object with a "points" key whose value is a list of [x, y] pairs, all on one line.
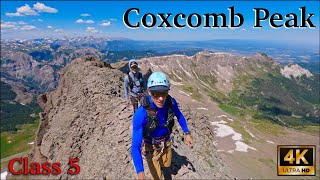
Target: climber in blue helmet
{"points": [[152, 126]]}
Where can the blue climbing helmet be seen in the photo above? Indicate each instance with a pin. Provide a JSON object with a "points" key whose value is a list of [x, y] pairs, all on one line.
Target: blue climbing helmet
{"points": [[158, 81]]}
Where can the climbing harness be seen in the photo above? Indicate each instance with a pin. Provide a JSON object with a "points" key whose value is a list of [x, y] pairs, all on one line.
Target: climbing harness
{"points": [[152, 117]]}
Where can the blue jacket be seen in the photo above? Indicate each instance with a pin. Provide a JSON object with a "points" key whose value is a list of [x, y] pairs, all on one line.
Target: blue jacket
{"points": [[140, 120]]}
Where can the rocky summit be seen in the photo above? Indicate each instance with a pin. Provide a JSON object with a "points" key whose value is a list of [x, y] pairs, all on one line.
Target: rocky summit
{"points": [[86, 117]]}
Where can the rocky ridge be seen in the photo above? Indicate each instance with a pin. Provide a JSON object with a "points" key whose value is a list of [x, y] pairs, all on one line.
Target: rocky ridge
{"points": [[86, 117], [211, 71]]}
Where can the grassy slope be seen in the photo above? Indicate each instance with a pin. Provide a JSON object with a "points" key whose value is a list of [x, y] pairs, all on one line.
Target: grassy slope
{"points": [[17, 142], [279, 100], [268, 98], [18, 128]]}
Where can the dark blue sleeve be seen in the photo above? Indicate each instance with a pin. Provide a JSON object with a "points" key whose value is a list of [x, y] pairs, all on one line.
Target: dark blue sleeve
{"points": [[144, 82], [137, 130], [182, 121]]}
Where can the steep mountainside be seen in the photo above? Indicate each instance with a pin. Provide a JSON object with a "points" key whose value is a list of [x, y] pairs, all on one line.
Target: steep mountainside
{"points": [[85, 117], [38, 67], [14, 113]]}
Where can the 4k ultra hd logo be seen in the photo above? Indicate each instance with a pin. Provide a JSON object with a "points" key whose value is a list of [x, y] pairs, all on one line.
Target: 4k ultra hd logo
{"points": [[296, 160]]}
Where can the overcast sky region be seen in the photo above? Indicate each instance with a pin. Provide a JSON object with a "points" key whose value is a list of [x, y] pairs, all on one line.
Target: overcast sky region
{"points": [[44, 19]]}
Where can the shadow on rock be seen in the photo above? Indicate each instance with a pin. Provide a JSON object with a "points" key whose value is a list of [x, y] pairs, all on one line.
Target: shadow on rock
{"points": [[177, 163]]}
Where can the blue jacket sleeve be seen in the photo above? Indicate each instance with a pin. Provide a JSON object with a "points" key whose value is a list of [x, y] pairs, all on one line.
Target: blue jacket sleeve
{"points": [[126, 83], [182, 121], [137, 131]]}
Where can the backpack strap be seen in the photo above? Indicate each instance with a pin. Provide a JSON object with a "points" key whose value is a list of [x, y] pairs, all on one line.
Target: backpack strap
{"points": [[140, 75], [170, 114], [132, 78], [152, 118]]}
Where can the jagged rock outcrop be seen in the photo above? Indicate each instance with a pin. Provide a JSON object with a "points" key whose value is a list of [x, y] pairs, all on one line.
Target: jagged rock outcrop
{"points": [[86, 117], [295, 71]]}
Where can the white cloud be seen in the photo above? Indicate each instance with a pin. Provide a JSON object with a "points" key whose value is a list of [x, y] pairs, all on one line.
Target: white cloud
{"points": [[106, 23], [7, 26], [59, 31], [89, 21], [149, 23], [43, 8], [14, 14], [84, 21], [91, 29], [8, 22], [49, 27], [79, 21], [40, 20], [28, 28], [113, 19], [22, 23], [243, 29], [26, 10], [84, 15]]}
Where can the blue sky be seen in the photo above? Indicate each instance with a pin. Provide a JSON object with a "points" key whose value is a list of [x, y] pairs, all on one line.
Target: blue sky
{"points": [[34, 19]]}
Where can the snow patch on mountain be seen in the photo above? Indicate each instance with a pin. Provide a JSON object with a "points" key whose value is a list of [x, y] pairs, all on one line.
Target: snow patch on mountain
{"points": [[223, 130]]}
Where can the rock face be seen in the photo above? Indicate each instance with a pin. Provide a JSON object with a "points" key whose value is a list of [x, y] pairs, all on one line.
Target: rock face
{"points": [[87, 118], [22, 66], [37, 65], [295, 71]]}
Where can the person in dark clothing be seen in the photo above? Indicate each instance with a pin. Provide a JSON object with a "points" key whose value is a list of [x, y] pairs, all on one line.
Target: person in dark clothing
{"points": [[134, 85]]}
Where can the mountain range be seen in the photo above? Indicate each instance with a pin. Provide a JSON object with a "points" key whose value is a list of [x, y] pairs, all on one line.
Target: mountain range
{"points": [[32, 67]]}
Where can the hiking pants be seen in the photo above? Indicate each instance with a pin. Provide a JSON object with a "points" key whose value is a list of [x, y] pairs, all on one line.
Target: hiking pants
{"points": [[156, 164], [134, 102]]}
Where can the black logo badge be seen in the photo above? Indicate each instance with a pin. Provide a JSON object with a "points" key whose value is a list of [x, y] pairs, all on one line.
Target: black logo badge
{"points": [[294, 160]]}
